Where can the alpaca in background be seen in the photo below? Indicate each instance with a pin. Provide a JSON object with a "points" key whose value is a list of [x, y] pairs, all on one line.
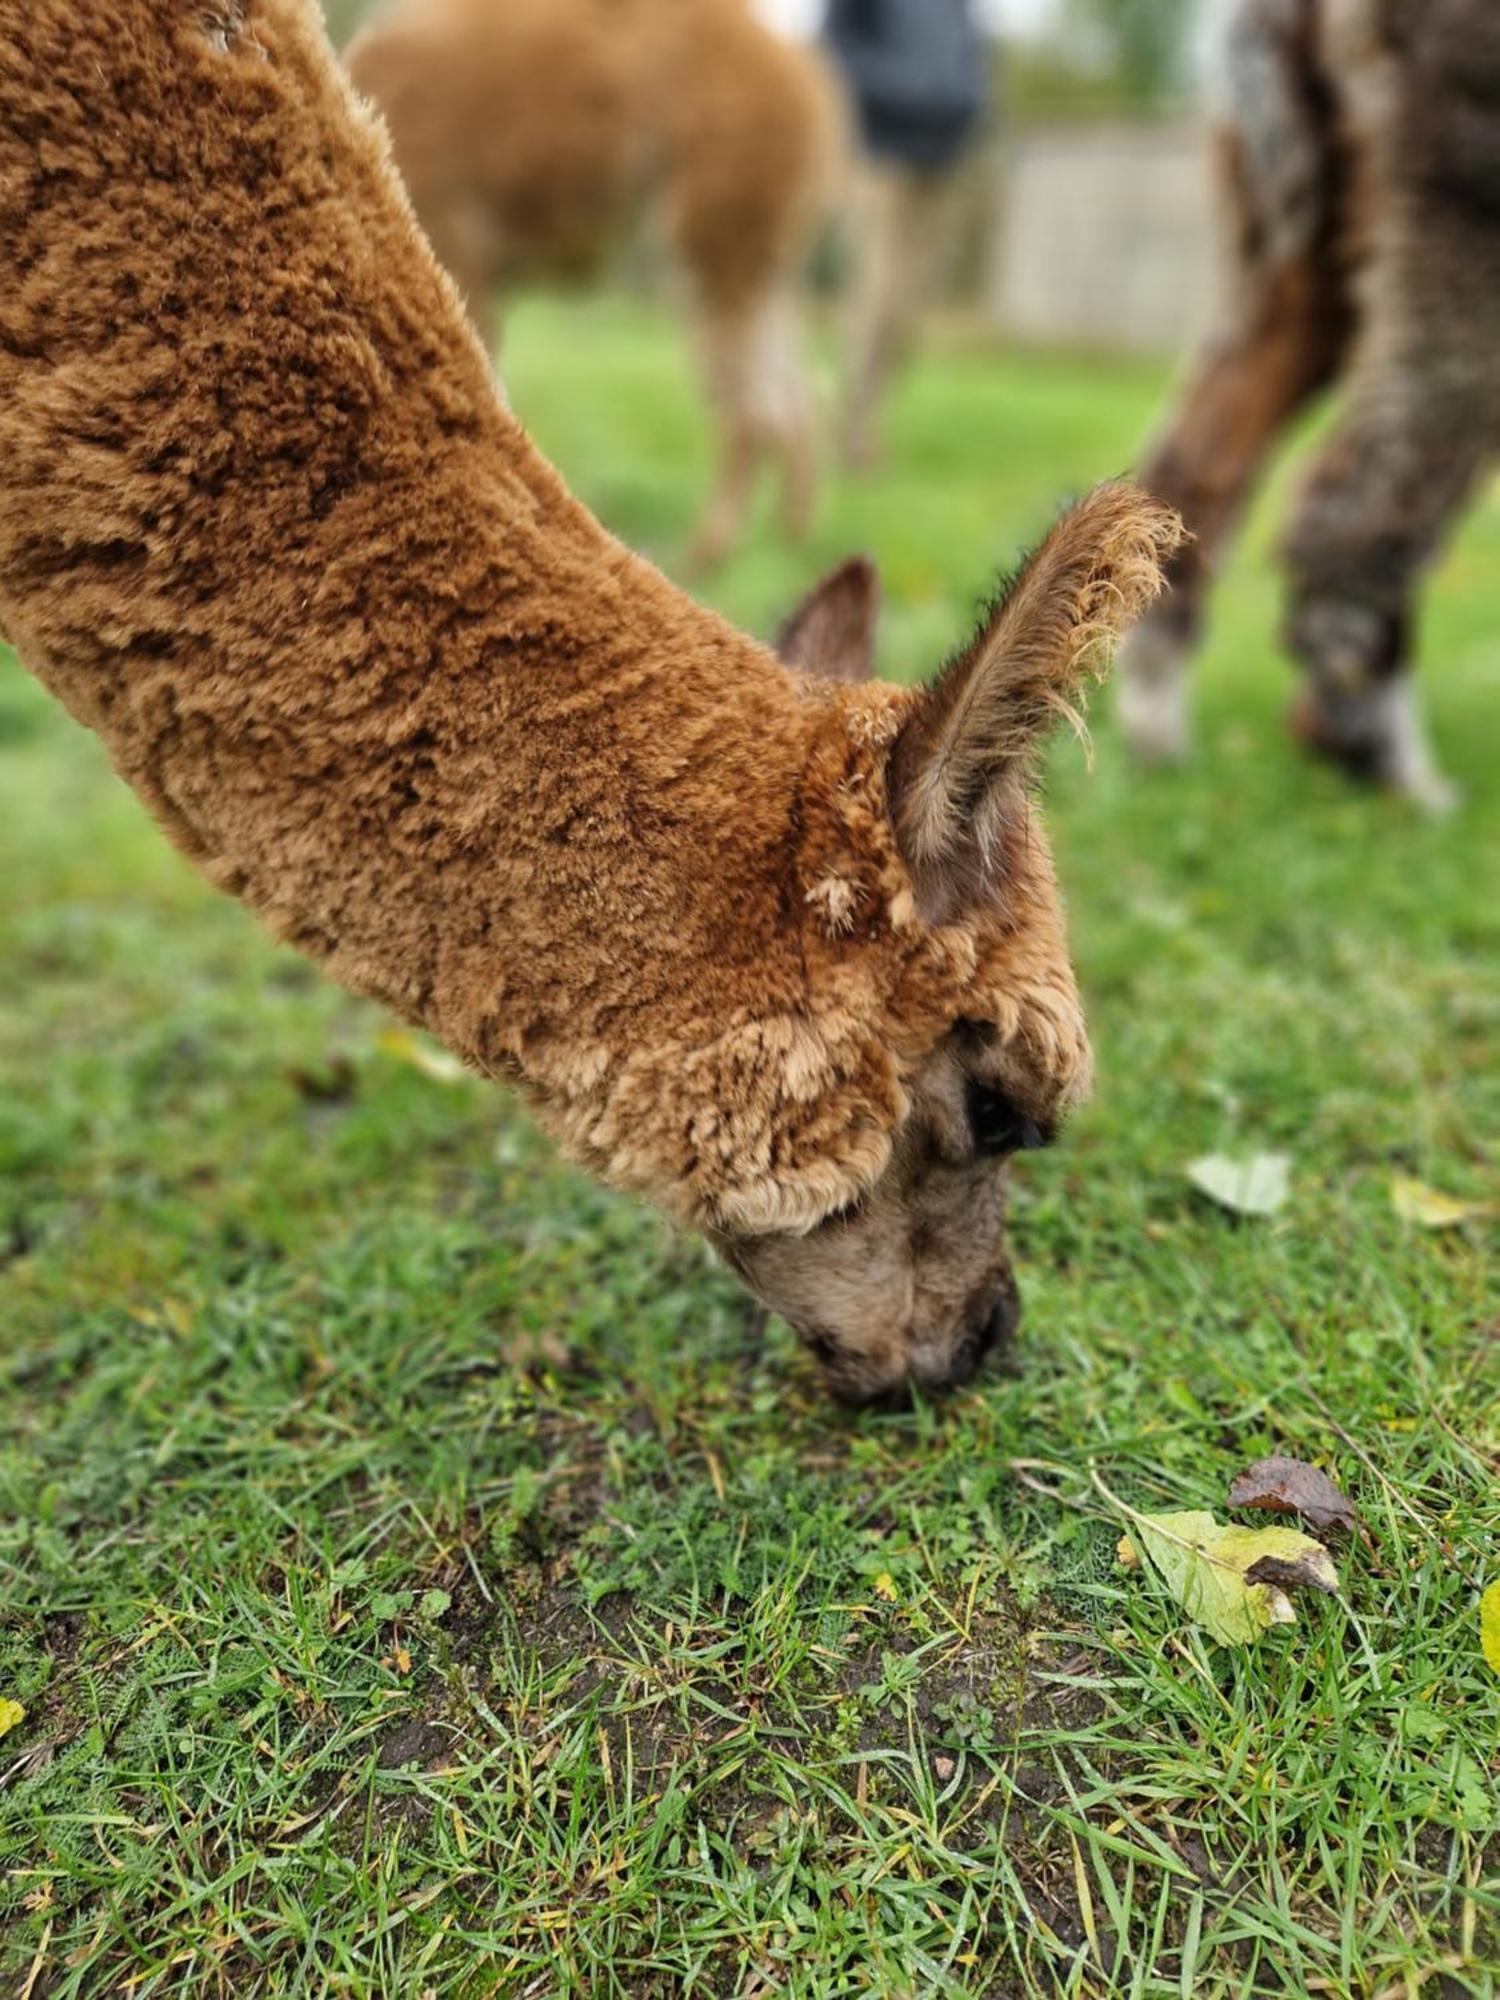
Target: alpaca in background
{"points": [[529, 131], [1359, 162]]}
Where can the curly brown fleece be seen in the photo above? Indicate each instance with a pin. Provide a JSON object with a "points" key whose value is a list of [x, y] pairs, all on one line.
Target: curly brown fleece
{"points": [[267, 528]]}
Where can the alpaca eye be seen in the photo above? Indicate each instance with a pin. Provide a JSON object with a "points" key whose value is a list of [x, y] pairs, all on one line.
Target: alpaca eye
{"points": [[1000, 1126]]}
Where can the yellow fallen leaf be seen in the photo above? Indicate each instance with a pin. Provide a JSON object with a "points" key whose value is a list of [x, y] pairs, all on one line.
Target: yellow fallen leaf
{"points": [[1231, 1581], [12, 1715], [885, 1586], [422, 1056], [1429, 1208], [1489, 1629]]}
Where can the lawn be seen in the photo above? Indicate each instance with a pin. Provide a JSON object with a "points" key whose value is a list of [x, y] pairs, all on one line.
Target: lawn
{"points": [[422, 1574]]}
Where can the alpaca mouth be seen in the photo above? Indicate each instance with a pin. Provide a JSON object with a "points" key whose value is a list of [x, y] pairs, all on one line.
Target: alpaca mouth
{"points": [[936, 1368], [1003, 1320], [992, 1327]]}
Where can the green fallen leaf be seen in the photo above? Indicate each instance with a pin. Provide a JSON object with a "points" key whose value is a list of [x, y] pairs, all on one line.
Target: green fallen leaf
{"points": [[1231, 1581], [12, 1715], [1258, 1185], [1429, 1208], [1489, 1627]]}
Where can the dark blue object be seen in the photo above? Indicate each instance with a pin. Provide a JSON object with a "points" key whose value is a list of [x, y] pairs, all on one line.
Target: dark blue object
{"points": [[917, 70]]}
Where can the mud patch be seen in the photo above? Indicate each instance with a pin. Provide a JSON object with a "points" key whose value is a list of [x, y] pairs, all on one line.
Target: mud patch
{"points": [[414, 1742]]}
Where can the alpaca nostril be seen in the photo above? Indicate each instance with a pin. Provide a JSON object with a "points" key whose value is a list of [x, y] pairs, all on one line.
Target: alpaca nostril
{"points": [[1000, 1323]]}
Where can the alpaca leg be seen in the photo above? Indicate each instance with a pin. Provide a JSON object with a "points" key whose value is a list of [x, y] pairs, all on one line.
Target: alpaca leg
{"points": [[788, 409], [902, 228], [1371, 515], [1288, 343], [729, 368], [722, 525], [758, 385], [1283, 331], [874, 306], [1421, 423]]}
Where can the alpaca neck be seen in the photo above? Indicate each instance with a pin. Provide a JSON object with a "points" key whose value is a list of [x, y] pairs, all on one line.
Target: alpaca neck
{"points": [[266, 528]]}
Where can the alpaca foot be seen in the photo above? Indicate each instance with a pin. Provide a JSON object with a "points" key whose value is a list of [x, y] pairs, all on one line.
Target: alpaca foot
{"points": [[1151, 702], [1376, 733]]}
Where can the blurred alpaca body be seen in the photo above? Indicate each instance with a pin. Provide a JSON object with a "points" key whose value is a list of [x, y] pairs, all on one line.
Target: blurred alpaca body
{"points": [[528, 131], [1359, 162]]}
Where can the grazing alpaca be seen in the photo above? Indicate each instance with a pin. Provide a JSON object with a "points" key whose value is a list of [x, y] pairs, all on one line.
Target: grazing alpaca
{"points": [[781, 952], [1360, 164], [526, 129]]}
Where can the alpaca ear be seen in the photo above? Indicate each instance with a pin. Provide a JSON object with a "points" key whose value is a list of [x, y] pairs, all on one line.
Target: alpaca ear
{"points": [[960, 767], [832, 632]]}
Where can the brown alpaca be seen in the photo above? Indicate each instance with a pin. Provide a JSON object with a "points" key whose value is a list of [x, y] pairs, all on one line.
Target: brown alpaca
{"points": [[526, 131], [1360, 165], [780, 952]]}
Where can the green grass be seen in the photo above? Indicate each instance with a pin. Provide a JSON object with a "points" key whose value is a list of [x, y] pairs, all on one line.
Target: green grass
{"points": [[422, 1576]]}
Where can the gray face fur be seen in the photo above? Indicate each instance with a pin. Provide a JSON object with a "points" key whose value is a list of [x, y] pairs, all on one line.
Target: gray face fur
{"points": [[914, 1286]]}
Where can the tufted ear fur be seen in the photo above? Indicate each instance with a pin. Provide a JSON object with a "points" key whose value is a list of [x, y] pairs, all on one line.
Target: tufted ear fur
{"points": [[832, 631], [961, 764]]}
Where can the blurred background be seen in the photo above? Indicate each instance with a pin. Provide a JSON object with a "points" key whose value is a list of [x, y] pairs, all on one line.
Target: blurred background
{"points": [[1087, 210]]}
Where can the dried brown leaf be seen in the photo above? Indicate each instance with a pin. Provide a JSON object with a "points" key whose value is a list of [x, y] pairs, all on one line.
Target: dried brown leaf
{"points": [[1314, 1571], [1287, 1486]]}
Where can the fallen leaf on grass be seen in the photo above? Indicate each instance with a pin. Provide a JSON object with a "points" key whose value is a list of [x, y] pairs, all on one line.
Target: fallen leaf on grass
{"points": [[12, 1715], [1231, 1581], [418, 1055], [1429, 1208], [1287, 1486], [1489, 1632], [1258, 1185]]}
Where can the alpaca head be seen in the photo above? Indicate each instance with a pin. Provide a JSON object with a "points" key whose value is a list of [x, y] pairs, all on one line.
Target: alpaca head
{"points": [[902, 1275]]}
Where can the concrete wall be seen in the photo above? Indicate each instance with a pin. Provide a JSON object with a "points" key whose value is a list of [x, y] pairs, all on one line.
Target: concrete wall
{"points": [[1105, 238]]}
